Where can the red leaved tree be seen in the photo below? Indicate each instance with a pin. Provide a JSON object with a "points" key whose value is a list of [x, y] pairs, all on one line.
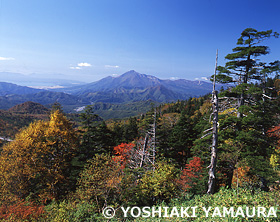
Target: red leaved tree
{"points": [[122, 153], [21, 211], [275, 132], [191, 174]]}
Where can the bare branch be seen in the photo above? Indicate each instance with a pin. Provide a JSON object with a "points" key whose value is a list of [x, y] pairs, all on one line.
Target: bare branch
{"points": [[207, 130], [268, 96]]}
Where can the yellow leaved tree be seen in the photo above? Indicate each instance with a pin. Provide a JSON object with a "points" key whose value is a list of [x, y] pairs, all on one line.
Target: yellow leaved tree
{"points": [[100, 181], [37, 163]]}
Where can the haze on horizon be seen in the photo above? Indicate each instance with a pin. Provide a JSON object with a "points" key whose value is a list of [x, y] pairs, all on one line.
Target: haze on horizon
{"points": [[89, 40]]}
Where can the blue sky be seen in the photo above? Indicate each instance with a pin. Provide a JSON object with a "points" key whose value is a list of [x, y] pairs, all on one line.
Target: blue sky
{"points": [[87, 40]]}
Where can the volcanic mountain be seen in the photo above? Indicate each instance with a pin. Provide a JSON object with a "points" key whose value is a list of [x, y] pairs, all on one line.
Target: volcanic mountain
{"points": [[133, 86]]}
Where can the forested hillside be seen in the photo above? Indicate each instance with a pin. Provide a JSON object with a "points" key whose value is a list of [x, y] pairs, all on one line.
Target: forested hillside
{"points": [[56, 170], [21, 115]]}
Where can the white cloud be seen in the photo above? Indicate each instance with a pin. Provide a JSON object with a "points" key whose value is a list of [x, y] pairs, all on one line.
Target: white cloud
{"points": [[84, 64], [115, 75], [109, 66], [6, 58], [202, 78], [80, 65], [174, 78]]}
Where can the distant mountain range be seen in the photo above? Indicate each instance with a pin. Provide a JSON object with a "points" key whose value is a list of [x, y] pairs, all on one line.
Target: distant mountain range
{"points": [[133, 86], [127, 88], [7, 89]]}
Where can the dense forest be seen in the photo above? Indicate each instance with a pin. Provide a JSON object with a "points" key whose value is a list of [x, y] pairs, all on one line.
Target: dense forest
{"points": [[63, 169]]}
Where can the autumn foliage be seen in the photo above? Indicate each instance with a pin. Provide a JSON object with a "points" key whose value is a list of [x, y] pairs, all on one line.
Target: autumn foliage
{"points": [[100, 180], [275, 132], [21, 211], [37, 162], [122, 153], [191, 173], [242, 177]]}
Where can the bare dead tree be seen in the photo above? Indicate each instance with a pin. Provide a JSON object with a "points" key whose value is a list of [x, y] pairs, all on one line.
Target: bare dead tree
{"points": [[153, 134], [143, 155], [140, 155], [213, 163], [144, 150]]}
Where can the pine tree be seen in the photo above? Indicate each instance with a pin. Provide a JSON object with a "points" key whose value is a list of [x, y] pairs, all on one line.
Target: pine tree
{"points": [[181, 139], [96, 137], [243, 63], [244, 124], [131, 130]]}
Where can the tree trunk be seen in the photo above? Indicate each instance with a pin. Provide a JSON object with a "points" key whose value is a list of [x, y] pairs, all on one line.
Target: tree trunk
{"points": [[154, 140], [144, 150], [212, 166], [213, 163]]}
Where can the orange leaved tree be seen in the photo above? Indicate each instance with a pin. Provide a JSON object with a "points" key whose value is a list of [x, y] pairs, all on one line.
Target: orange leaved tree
{"points": [[21, 211], [122, 152]]}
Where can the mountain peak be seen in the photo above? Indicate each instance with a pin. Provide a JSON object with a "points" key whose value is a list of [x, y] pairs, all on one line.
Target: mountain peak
{"points": [[133, 79], [131, 73]]}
